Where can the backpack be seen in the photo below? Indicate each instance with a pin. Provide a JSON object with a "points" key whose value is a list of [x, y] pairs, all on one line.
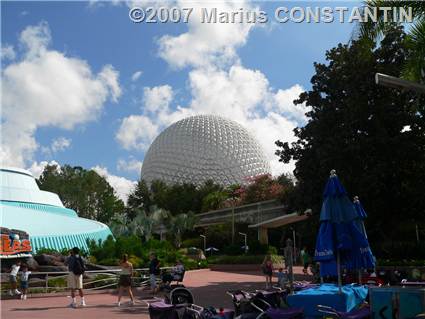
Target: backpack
{"points": [[78, 267]]}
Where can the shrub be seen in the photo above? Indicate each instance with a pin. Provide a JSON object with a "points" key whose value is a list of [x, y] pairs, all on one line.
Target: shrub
{"points": [[109, 262], [57, 282], [191, 242], [233, 250]]}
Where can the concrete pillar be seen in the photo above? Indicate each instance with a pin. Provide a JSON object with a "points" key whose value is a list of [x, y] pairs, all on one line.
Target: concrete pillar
{"points": [[263, 235]]}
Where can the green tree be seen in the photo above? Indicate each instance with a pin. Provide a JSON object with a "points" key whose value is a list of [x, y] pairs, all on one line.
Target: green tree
{"points": [[414, 65], [139, 198], [373, 136], [84, 191], [177, 225]]}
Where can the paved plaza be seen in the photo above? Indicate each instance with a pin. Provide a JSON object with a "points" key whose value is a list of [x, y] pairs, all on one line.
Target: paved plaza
{"points": [[208, 287]]}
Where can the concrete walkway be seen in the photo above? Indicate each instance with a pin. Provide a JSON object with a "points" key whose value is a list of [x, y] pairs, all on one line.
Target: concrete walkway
{"points": [[208, 287]]}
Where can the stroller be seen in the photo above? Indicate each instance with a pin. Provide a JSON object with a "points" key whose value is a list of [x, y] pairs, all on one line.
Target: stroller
{"points": [[267, 304], [179, 304]]}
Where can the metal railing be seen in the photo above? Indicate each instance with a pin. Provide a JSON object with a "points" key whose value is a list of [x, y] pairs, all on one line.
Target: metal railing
{"points": [[92, 280]]}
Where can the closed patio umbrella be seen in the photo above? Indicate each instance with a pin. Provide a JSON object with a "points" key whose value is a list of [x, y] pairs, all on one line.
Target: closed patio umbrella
{"points": [[339, 243]]}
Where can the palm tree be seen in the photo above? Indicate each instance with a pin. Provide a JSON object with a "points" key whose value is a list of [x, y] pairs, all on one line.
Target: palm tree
{"points": [[178, 224], [414, 69], [144, 224], [119, 225]]}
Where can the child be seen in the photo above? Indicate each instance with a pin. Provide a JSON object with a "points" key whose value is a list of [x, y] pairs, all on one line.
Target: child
{"points": [[282, 278], [24, 281], [12, 278]]}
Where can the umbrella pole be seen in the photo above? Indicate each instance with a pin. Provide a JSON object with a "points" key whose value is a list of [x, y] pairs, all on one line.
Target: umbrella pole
{"points": [[338, 266]]}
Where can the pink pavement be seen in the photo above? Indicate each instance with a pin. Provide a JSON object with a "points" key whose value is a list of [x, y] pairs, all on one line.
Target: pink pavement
{"points": [[208, 287]]}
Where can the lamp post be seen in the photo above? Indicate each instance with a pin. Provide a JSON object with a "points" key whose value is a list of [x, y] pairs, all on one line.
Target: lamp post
{"points": [[397, 83], [205, 243], [245, 245]]}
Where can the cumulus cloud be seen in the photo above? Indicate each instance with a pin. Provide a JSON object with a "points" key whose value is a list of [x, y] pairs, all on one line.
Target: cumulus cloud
{"points": [[47, 88], [158, 98], [131, 165], [8, 52], [136, 76], [60, 144], [206, 43], [122, 186], [136, 132]]}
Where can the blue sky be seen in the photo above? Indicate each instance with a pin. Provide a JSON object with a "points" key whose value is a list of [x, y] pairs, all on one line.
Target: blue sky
{"points": [[72, 94]]}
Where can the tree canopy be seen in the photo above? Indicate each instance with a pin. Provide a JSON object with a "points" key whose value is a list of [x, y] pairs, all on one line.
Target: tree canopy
{"points": [[373, 136], [84, 191]]}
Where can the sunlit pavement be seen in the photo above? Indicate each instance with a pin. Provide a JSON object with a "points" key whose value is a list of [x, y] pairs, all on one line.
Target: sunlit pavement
{"points": [[208, 288]]}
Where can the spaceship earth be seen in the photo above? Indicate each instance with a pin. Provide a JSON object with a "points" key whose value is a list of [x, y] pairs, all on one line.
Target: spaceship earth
{"points": [[201, 148]]}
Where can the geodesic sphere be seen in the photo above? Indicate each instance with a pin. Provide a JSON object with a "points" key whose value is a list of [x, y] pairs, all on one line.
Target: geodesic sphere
{"points": [[201, 148]]}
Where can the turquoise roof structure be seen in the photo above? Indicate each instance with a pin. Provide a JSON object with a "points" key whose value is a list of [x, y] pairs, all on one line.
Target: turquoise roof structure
{"points": [[23, 206]]}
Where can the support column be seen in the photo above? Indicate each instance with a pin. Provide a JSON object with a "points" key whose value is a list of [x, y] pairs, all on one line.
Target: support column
{"points": [[263, 237]]}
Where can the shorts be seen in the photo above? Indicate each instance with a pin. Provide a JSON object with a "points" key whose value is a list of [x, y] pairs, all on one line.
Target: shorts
{"points": [[125, 281], [24, 284], [12, 278], [152, 280], [75, 281]]}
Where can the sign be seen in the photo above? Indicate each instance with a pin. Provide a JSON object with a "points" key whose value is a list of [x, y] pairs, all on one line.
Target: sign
{"points": [[14, 243]]}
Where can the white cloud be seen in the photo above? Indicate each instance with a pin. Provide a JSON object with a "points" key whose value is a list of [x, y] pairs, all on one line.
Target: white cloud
{"points": [[8, 52], [285, 102], [157, 99], [37, 168], [60, 144], [136, 76], [136, 132], [206, 43], [122, 186], [130, 165], [47, 88]]}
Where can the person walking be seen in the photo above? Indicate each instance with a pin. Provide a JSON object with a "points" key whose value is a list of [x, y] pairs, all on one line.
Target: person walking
{"points": [[267, 268], [154, 270], [125, 280], [12, 278], [76, 270], [25, 273]]}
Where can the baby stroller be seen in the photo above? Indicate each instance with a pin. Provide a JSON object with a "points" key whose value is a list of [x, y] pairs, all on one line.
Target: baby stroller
{"points": [[263, 304], [179, 304], [179, 295]]}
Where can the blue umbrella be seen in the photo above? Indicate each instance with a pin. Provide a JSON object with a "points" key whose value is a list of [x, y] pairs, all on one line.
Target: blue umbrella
{"points": [[340, 243], [367, 260]]}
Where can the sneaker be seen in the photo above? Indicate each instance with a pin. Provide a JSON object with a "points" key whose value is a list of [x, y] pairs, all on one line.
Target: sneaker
{"points": [[10, 293], [118, 304], [83, 303], [131, 303], [17, 292], [25, 297]]}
